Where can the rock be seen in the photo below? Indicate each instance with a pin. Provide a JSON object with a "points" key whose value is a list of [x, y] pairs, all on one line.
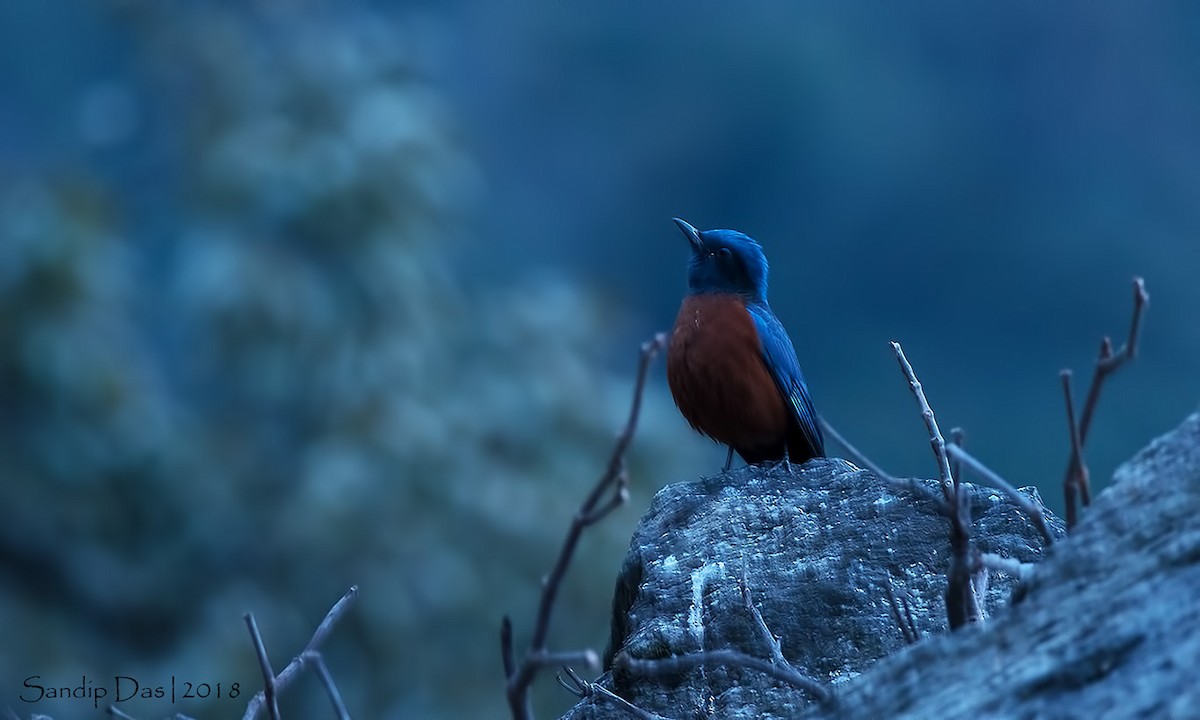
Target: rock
{"points": [[1109, 626], [818, 549]]}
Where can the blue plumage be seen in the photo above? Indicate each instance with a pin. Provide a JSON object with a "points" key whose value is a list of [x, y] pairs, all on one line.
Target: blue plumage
{"points": [[731, 366]]}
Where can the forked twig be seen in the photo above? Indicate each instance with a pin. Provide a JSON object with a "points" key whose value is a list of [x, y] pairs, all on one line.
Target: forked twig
{"points": [[777, 667], [1032, 511], [902, 614], [1107, 362], [1077, 484], [677, 664], [274, 684], [962, 606], [764, 632], [265, 664], [582, 689], [335, 697], [609, 493]]}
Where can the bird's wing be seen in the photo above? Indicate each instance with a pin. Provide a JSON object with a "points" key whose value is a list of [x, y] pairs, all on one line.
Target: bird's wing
{"points": [[780, 357]]}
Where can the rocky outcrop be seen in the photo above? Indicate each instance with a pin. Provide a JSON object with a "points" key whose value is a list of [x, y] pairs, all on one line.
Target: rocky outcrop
{"points": [[1108, 626], [819, 548]]}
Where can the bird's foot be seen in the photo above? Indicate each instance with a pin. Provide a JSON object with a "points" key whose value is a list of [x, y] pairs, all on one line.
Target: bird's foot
{"points": [[788, 466], [728, 460]]}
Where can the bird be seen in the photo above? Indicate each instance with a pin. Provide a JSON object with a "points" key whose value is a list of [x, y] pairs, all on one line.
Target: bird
{"points": [[731, 367]]}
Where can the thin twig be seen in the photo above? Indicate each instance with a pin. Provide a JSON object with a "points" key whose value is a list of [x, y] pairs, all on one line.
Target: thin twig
{"points": [[1032, 511], [764, 631], [1020, 570], [294, 668], [961, 604], [597, 505], [582, 689], [264, 663], [857, 455], [335, 697], [958, 437], [1107, 362], [677, 664], [902, 614], [1077, 481], [936, 441]]}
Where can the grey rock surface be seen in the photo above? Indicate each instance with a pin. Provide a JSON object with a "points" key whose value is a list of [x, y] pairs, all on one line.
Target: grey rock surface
{"points": [[1108, 626], [819, 548]]}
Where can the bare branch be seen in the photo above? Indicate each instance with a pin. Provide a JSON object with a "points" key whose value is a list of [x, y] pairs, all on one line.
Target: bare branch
{"points": [[958, 437], [1019, 498], [677, 664], [857, 455], [609, 493], [581, 688], [506, 646], [1015, 568], [902, 614], [335, 697], [265, 664], [961, 604], [1076, 484], [1107, 362], [280, 682], [936, 441], [763, 630]]}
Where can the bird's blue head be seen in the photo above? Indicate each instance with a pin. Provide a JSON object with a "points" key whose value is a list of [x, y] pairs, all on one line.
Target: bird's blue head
{"points": [[725, 261]]}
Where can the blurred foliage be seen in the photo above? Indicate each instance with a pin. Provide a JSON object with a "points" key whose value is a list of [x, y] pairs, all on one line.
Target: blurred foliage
{"points": [[295, 294], [283, 390]]}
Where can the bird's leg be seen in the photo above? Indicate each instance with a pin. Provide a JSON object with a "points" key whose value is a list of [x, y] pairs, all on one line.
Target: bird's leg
{"points": [[728, 460], [787, 462]]}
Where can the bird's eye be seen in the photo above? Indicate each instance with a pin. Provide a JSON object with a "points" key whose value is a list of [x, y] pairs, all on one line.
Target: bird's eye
{"points": [[725, 252]]}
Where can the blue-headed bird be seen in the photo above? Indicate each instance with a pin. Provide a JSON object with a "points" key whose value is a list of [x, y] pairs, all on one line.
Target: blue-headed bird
{"points": [[731, 366]]}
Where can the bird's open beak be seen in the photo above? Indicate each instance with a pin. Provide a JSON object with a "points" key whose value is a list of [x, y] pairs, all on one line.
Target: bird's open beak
{"points": [[693, 235]]}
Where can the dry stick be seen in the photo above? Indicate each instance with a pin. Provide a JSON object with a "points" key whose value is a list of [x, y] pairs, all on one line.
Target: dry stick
{"points": [[265, 664], [1107, 362], [292, 671], [961, 605], [936, 441], [854, 452], [777, 667], [988, 475], [911, 484], [614, 480], [1020, 570], [958, 437], [335, 697], [904, 620], [677, 664], [583, 689], [764, 631], [1077, 479]]}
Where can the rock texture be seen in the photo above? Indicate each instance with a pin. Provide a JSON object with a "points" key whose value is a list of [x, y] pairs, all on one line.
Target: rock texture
{"points": [[1109, 625], [819, 548]]}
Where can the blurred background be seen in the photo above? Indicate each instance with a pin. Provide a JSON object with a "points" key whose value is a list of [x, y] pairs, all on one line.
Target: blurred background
{"points": [[300, 295]]}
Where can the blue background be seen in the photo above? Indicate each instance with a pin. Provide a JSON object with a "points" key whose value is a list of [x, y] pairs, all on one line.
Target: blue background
{"points": [[295, 295]]}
